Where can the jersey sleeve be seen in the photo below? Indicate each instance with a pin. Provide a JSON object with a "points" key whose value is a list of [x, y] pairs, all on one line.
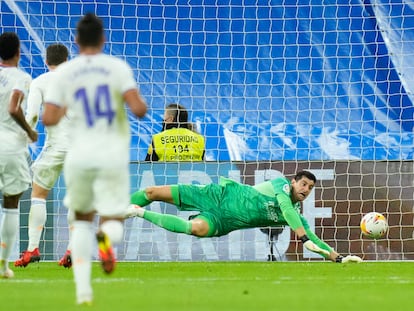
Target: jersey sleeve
{"points": [[23, 84], [127, 78], [54, 94], [290, 214], [313, 237], [34, 102]]}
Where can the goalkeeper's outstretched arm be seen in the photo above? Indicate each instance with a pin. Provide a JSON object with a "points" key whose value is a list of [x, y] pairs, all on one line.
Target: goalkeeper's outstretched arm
{"points": [[312, 242]]}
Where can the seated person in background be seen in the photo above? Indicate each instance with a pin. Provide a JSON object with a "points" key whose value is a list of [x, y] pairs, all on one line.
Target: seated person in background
{"points": [[177, 141]]}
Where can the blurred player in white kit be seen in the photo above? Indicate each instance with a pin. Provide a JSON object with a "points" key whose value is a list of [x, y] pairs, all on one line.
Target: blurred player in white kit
{"points": [[93, 88], [15, 134], [49, 164]]}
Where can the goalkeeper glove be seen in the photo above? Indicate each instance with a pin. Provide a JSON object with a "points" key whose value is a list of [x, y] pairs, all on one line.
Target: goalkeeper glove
{"points": [[349, 258], [312, 246]]}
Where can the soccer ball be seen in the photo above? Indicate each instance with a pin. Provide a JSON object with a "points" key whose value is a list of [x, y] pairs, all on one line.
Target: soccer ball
{"points": [[374, 225]]}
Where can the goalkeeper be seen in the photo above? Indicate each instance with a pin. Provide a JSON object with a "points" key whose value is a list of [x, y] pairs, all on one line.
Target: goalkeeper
{"points": [[230, 206]]}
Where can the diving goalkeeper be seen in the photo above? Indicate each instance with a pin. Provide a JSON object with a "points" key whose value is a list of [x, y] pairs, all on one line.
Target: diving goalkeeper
{"points": [[230, 206]]}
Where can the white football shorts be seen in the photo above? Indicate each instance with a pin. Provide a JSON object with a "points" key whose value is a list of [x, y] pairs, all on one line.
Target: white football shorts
{"points": [[14, 173], [105, 191], [47, 167]]}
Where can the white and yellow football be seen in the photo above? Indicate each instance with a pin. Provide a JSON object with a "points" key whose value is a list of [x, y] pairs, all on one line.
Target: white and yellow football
{"points": [[374, 225]]}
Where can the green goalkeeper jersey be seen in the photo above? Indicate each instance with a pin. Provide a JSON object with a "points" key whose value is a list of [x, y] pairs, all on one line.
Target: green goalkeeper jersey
{"points": [[230, 206], [233, 206]]}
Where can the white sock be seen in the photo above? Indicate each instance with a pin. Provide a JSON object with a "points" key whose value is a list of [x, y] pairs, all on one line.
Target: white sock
{"points": [[37, 221], [83, 237], [71, 220], [8, 233], [114, 229], [134, 211]]}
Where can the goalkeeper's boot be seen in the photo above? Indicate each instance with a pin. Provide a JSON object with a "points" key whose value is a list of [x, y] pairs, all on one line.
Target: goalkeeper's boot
{"points": [[134, 210], [5, 271], [106, 253], [28, 257], [66, 260]]}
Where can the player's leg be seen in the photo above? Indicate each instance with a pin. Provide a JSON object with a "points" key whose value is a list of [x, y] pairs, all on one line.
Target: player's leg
{"points": [[15, 180], [168, 194], [66, 259], [112, 197], [169, 222], [188, 198], [111, 231], [79, 199], [37, 221], [46, 170], [184, 197], [37, 215], [199, 226], [203, 198], [82, 251], [9, 227], [203, 226], [141, 198]]}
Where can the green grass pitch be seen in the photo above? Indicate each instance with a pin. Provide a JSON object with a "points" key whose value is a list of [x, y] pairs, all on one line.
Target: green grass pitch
{"points": [[217, 286]]}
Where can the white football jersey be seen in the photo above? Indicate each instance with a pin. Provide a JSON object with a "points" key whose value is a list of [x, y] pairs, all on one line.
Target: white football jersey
{"points": [[57, 135], [91, 86], [13, 139]]}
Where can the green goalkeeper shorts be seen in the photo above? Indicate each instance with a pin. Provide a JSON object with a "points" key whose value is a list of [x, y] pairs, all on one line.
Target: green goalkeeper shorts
{"points": [[228, 207], [206, 200]]}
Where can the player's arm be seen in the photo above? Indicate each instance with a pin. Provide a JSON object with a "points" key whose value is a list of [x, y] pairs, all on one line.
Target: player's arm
{"points": [[16, 112], [313, 243], [294, 221], [130, 93], [34, 102], [135, 102], [332, 254], [54, 108], [52, 114], [309, 239], [319, 246]]}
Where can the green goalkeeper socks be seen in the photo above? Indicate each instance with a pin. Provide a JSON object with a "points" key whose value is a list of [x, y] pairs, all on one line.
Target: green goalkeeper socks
{"points": [[169, 222], [140, 198]]}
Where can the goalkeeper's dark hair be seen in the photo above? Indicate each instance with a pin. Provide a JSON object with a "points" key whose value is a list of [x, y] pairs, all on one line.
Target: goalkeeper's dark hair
{"points": [[9, 45], [56, 54], [306, 174], [90, 30]]}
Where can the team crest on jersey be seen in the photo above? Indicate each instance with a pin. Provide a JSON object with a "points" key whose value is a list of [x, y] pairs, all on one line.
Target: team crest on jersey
{"points": [[286, 189]]}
